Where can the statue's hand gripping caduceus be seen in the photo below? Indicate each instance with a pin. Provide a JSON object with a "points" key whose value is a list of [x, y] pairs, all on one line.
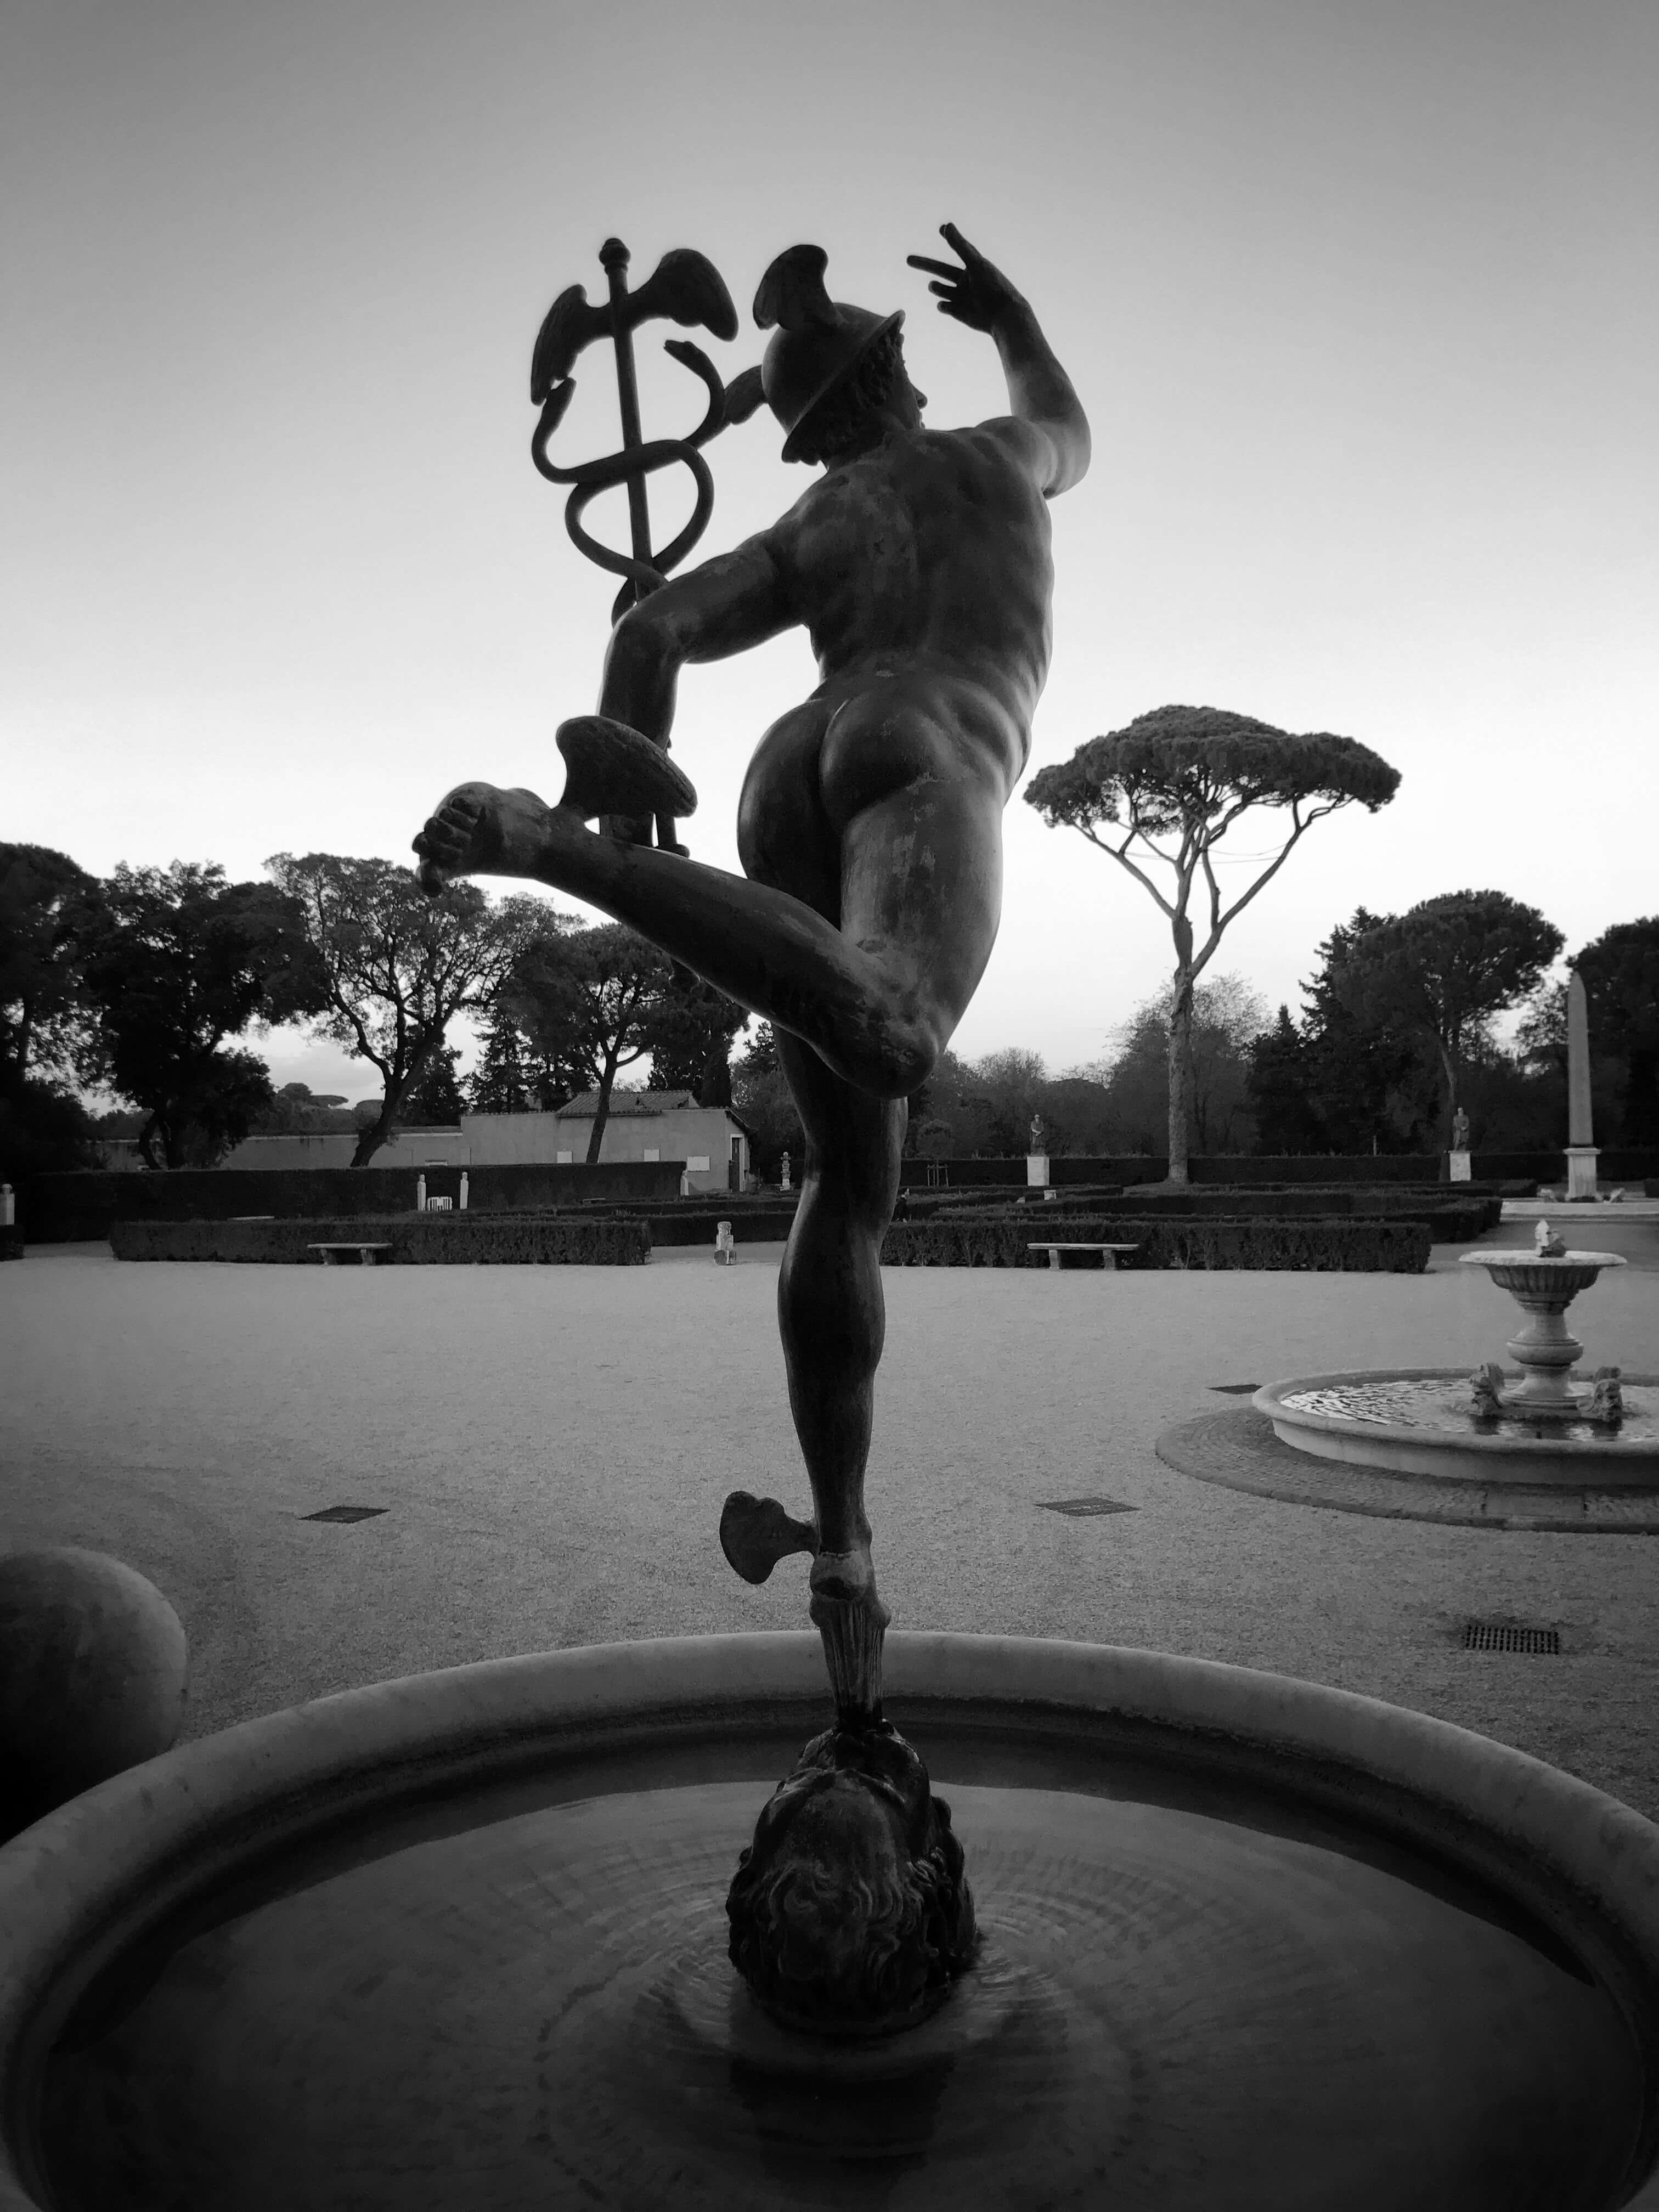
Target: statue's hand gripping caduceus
{"points": [[870, 834]]}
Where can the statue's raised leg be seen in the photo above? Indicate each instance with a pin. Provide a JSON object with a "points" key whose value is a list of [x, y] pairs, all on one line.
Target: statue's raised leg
{"points": [[875, 1020]]}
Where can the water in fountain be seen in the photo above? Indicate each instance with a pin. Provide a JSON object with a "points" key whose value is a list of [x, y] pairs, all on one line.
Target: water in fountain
{"points": [[523, 2001]]}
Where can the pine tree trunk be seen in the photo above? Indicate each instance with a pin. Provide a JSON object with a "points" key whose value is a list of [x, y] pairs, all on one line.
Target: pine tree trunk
{"points": [[370, 1141], [1181, 1072], [1448, 1068], [601, 1110]]}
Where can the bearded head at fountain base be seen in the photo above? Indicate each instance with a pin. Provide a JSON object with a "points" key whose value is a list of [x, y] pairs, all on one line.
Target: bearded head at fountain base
{"points": [[850, 1912]]}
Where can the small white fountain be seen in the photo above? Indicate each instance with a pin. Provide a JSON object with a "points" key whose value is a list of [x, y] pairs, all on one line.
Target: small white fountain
{"points": [[1544, 1283], [1453, 1426]]}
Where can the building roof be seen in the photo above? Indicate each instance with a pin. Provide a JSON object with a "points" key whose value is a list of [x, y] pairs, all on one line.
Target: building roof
{"points": [[636, 1103], [585, 1104]]}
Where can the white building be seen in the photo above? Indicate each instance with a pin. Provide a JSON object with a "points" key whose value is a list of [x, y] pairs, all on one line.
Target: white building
{"points": [[649, 1125], [642, 1125]]}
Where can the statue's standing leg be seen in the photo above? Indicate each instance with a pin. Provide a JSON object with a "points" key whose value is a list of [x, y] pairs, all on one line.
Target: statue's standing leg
{"points": [[832, 1317]]}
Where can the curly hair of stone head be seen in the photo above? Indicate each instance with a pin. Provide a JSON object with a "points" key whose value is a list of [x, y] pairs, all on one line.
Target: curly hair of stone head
{"points": [[833, 423], [847, 1944]]}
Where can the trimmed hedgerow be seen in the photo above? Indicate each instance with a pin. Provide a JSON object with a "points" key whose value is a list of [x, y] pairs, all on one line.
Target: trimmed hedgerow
{"points": [[1450, 1220], [751, 1224], [1349, 1245], [84, 1205], [416, 1240]]}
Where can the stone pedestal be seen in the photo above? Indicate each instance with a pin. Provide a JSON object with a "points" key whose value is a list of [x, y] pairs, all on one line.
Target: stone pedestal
{"points": [[1581, 1170], [1036, 1171], [1459, 1167]]}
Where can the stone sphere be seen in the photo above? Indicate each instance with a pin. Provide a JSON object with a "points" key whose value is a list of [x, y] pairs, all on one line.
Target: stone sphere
{"points": [[92, 1677]]}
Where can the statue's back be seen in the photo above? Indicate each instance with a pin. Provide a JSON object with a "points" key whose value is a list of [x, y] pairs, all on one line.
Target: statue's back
{"points": [[933, 548]]}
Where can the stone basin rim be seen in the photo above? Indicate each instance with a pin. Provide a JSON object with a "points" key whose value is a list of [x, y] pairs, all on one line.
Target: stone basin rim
{"points": [[1518, 1256], [81, 1885], [1270, 1400]]}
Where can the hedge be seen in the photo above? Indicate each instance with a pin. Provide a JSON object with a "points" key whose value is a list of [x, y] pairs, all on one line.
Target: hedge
{"points": [[1218, 1168], [61, 1208], [1348, 1245], [417, 1240], [751, 1224], [1616, 1164], [1451, 1221]]}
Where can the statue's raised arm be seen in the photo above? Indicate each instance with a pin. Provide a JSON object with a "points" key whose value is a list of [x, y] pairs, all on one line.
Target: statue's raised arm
{"points": [[1039, 391]]}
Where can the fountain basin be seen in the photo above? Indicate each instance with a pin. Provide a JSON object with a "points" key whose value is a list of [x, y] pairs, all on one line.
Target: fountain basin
{"points": [[1559, 1276], [1416, 1421], [459, 1939]]}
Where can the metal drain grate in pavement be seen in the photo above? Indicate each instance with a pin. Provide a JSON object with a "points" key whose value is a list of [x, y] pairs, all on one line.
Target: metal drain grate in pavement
{"points": [[1491, 1636], [345, 1513], [1082, 1509]]}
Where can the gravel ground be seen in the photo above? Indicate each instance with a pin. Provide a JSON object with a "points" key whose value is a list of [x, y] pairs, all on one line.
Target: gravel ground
{"points": [[552, 1446]]}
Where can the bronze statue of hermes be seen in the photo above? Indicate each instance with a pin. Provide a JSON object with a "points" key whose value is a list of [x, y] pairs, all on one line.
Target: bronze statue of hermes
{"points": [[870, 827]]}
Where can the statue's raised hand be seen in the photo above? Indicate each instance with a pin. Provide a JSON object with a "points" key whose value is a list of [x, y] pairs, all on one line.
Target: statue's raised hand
{"points": [[977, 294]]}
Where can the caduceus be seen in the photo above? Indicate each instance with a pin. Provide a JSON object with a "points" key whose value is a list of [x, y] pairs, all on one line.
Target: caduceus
{"points": [[684, 288]]}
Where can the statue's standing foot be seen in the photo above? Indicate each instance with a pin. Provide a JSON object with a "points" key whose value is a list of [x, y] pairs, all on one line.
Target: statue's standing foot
{"points": [[853, 1630]]}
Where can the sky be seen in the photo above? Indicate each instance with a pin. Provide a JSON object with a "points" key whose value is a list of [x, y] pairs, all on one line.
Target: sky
{"points": [[1361, 301]]}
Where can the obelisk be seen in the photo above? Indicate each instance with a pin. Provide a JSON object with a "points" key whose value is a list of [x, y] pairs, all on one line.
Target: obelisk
{"points": [[1581, 1144]]}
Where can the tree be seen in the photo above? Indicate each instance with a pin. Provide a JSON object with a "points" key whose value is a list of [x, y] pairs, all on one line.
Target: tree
{"points": [[1186, 774], [585, 999], [434, 1100], [396, 967], [42, 1125], [1077, 1115], [692, 1025], [1370, 1083], [173, 962], [1008, 1087], [42, 895], [499, 1083], [298, 1110], [761, 1100], [1279, 1090], [43, 1130], [1620, 971], [1439, 972], [1226, 1017]]}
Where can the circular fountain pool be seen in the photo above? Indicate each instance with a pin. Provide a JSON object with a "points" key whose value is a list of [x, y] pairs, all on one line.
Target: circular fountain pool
{"points": [[460, 1941], [1421, 1421]]}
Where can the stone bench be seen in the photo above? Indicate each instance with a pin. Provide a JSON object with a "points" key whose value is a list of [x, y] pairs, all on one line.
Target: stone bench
{"points": [[1082, 1255], [331, 1253]]}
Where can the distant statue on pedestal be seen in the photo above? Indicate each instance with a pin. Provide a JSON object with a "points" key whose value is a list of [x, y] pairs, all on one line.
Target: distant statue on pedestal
{"points": [[1460, 1131], [870, 832]]}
